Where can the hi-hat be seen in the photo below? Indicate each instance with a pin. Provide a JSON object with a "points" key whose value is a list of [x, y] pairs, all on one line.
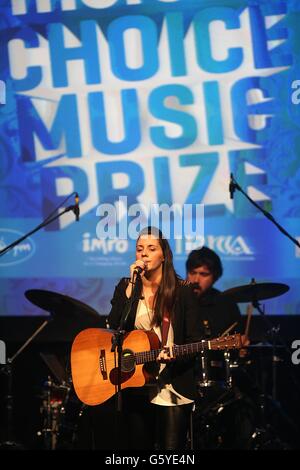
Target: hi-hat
{"points": [[253, 292], [60, 305]]}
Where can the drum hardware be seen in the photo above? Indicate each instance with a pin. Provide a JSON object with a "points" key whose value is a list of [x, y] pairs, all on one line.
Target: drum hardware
{"points": [[208, 425], [60, 413], [252, 293], [267, 433], [58, 306], [53, 398], [9, 442], [61, 410], [216, 366], [215, 369], [264, 435], [265, 439], [233, 399], [70, 414]]}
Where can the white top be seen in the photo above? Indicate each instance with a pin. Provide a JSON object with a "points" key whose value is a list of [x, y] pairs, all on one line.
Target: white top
{"points": [[161, 393]]}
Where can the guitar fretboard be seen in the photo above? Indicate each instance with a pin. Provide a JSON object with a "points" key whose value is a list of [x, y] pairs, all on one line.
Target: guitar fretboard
{"points": [[178, 350]]}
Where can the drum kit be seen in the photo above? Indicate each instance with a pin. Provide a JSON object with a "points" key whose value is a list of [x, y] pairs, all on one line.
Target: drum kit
{"points": [[233, 404], [60, 409], [219, 393]]}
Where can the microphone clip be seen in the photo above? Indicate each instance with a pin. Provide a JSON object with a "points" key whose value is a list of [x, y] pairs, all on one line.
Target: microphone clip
{"points": [[232, 186], [76, 208]]}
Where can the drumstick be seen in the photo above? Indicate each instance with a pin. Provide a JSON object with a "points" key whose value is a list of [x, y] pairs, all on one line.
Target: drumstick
{"points": [[229, 329], [249, 315]]}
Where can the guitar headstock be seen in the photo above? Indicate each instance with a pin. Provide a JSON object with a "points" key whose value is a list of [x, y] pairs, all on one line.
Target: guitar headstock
{"points": [[226, 342]]}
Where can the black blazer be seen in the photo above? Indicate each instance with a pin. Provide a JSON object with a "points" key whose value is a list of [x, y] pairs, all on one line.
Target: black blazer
{"points": [[220, 312], [186, 326]]}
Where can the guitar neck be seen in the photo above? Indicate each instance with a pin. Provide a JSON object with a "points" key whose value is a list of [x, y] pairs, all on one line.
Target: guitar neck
{"points": [[178, 350]]}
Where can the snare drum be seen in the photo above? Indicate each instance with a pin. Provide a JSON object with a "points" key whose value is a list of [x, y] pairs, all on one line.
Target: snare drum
{"points": [[215, 369]]}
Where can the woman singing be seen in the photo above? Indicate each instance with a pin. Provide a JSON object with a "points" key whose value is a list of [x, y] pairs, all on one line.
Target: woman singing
{"points": [[158, 416]]}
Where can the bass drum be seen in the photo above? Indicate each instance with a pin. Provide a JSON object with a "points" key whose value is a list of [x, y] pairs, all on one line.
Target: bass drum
{"points": [[70, 416]]}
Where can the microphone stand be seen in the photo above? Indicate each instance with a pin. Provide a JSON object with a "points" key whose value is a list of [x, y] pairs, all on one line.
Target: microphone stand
{"points": [[271, 328], [234, 185], [39, 227], [9, 443], [275, 330], [117, 344]]}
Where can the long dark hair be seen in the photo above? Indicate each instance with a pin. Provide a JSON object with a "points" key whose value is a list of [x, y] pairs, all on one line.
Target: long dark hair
{"points": [[165, 296]]}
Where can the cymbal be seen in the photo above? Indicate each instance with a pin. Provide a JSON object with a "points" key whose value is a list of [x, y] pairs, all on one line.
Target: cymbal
{"points": [[253, 292], [60, 305]]}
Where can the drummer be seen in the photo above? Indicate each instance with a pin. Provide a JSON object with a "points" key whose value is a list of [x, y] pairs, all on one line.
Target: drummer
{"points": [[217, 313]]}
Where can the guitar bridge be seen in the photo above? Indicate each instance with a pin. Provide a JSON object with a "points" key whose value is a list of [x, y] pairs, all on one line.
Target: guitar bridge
{"points": [[103, 368]]}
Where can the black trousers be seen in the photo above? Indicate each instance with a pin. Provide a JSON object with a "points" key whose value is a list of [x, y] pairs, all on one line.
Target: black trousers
{"points": [[140, 426], [172, 425]]}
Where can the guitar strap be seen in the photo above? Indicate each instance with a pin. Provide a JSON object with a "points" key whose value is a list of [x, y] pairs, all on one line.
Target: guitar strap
{"points": [[165, 328]]}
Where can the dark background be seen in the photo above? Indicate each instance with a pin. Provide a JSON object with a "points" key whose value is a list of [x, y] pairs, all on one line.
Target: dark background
{"points": [[30, 373]]}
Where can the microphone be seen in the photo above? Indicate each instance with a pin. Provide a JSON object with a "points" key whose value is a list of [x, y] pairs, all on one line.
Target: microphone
{"points": [[76, 207], [231, 186], [139, 270]]}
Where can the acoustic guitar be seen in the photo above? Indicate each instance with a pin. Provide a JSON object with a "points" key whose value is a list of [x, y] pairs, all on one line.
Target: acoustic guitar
{"points": [[95, 367]]}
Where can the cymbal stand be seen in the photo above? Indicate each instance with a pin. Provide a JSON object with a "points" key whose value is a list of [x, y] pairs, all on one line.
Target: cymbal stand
{"points": [[9, 442], [266, 428], [47, 430], [51, 410], [274, 332]]}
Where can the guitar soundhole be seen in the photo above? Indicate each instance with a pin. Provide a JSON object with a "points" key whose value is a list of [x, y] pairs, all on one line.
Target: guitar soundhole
{"points": [[128, 362]]}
